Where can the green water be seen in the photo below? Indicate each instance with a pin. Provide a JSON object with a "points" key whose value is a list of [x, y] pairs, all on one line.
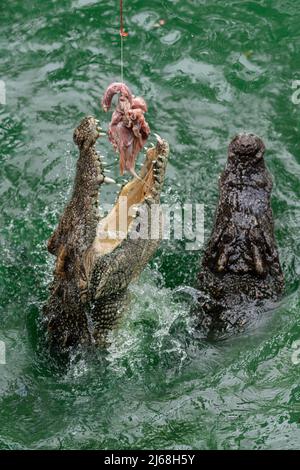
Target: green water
{"points": [[214, 68]]}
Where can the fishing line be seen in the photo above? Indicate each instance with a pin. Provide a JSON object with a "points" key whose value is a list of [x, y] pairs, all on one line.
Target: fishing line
{"points": [[123, 35], [122, 60]]}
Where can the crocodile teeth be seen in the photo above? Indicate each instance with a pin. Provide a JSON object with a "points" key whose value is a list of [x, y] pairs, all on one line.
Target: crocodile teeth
{"points": [[108, 180], [149, 200], [159, 139], [102, 134]]}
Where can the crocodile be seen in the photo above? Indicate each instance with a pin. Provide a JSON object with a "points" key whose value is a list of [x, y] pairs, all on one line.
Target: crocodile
{"points": [[240, 270], [98, 257]]}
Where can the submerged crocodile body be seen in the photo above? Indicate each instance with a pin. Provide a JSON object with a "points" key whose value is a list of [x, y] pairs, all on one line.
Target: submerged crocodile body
{"points": [[93, 268], [240, 266]]}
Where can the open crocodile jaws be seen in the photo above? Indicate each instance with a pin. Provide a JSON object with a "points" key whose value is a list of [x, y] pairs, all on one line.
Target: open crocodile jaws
{"points": [[93, 266]]}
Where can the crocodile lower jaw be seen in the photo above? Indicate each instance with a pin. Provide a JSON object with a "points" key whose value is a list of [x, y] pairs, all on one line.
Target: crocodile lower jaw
{"points": [[115, 227]]}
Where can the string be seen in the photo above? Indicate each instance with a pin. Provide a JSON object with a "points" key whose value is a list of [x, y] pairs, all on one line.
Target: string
{"points": [[122, 60], [123, 34]]}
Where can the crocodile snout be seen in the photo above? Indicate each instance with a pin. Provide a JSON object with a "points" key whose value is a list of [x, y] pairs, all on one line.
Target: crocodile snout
{"points": [[246, 147]]}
